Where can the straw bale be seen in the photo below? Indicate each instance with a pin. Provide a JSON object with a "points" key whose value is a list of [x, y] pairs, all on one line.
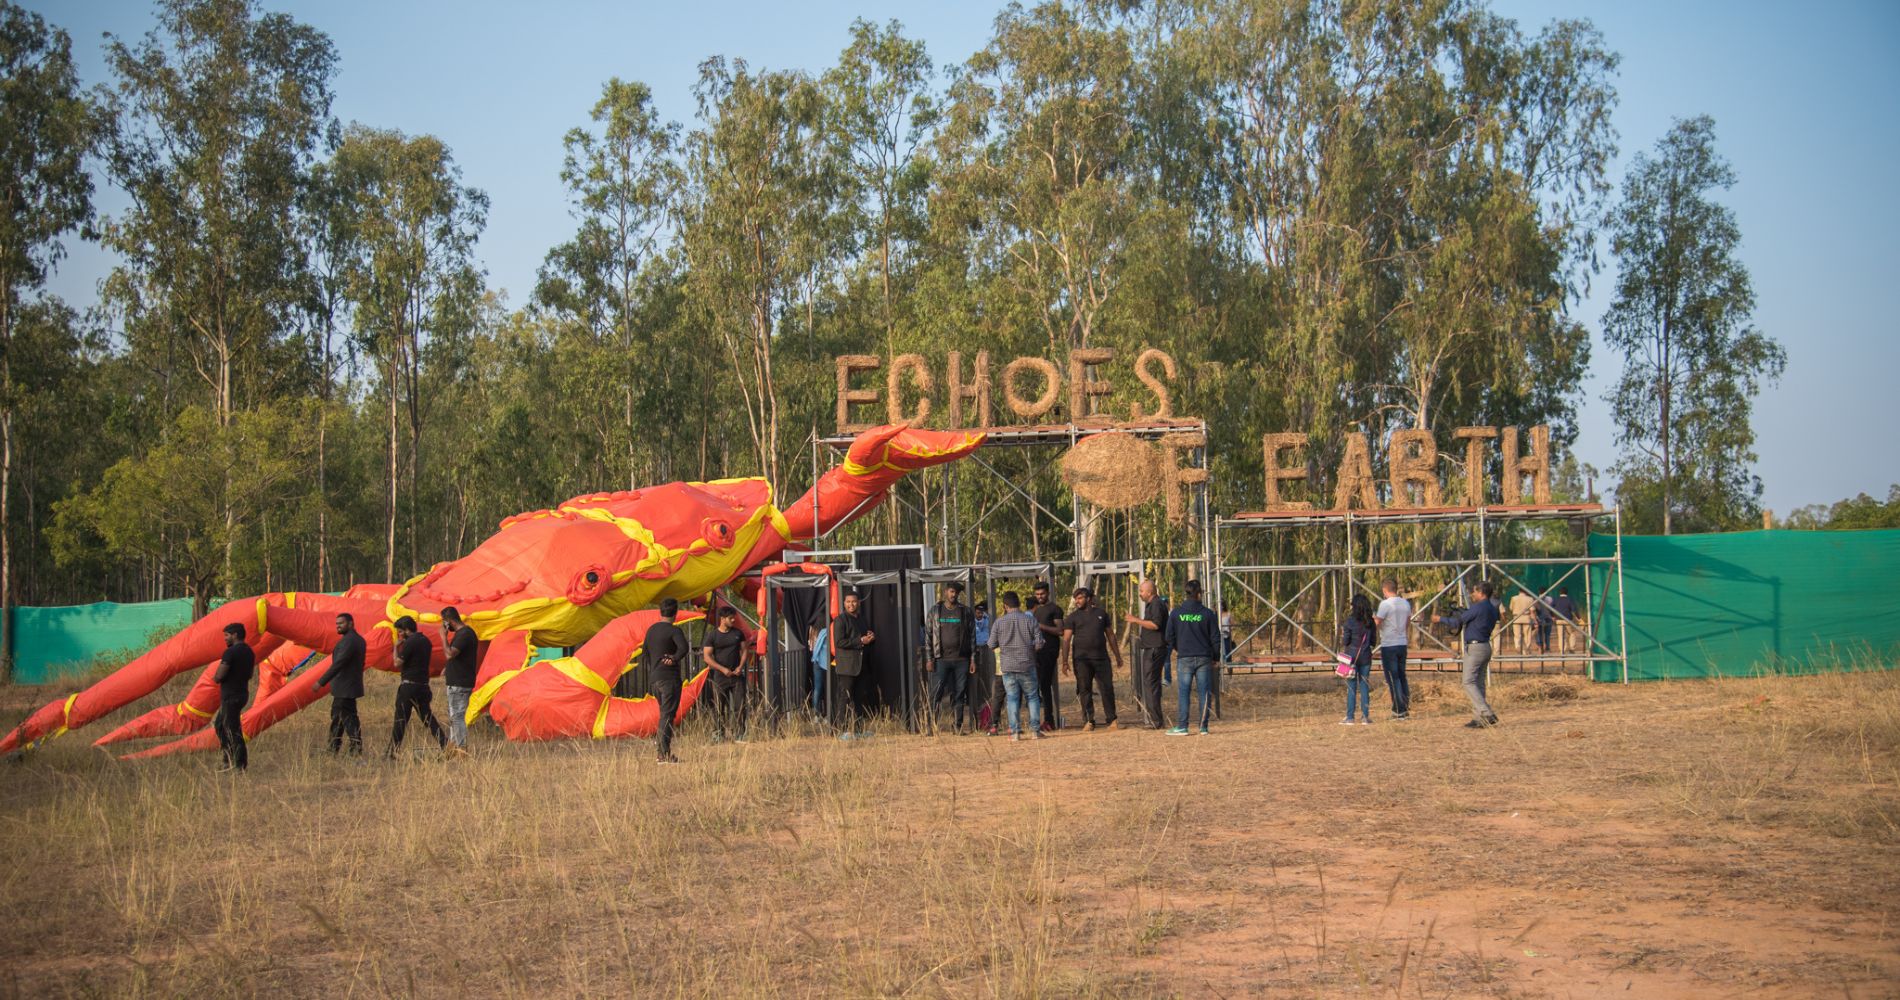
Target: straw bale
{"points": [[1113, 470]]}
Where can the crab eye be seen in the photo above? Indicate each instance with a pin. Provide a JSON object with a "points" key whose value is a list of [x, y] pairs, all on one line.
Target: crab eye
{"points": [[717, 532], [587, 585]]}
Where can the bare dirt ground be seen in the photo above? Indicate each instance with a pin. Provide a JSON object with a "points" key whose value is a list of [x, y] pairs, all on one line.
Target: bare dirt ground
{"points": [[1687, 839]]}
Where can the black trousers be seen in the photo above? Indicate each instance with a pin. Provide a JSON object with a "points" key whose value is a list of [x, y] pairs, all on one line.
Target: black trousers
{"points": [[1094, 669], [229, 723], [983, 684], [343, 722], [666, 689], [728, 704], [1048, 658], [951, 680], [1149, 665], [1392, 662], [413, 697]]}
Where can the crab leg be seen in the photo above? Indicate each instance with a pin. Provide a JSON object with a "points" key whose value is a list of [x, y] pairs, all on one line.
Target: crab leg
{"points": [[874, 462], [194, 711], [573, 696]]}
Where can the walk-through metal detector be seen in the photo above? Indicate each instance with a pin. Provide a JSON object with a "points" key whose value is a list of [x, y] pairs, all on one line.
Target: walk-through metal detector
{"points": [[1033, 573], [888, 682], [794, 601], [921, 588]]}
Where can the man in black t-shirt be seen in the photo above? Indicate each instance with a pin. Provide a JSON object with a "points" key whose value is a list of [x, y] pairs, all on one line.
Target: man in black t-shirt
{"points": [[236, 667], [666, 653], [725, 655], [1151, 653], [1088, 632], [1048, 615], [345, 681], [412, 695], [461, 651]]}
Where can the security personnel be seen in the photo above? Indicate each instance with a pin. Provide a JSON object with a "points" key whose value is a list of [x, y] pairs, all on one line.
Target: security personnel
{"points": [[1088, 633], [236, 667], [412, 695], [1151, 652], [345, 681], [666, 652]]}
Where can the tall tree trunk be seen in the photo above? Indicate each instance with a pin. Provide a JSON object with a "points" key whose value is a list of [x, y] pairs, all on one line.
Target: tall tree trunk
{"points": [[389, 539]]}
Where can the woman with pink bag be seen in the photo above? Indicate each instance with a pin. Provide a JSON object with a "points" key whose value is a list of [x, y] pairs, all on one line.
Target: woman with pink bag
{"points": [[1355, 659]]}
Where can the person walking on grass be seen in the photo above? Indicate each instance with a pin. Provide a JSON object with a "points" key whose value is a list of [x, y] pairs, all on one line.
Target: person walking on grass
{"points": [[667, 652], [1394, 619], [725, 655], [345, 681], [1048, 615], [1194, 637], [1478, 622], [851, 635], [952, 640], [412, 695], [1094, 657], [1151, 653], [1015, 638], [461, 649], [236, 667], [1355, 640]]}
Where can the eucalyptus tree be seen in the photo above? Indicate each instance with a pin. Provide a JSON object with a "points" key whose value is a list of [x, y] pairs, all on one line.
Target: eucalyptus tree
{"points": [[412, 279], [1692, 362], [46, 126], [217, 113], [622, 181]]}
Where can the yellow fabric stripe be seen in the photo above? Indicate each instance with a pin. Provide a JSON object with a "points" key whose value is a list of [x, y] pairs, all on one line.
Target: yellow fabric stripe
{"points": [[184, 707], [66, 715], [600, 719], [263, 623], [290, 599], [573, 668]]}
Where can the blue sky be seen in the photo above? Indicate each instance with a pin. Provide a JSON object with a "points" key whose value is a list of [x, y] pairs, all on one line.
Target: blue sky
{"points": [[1803, 96]]}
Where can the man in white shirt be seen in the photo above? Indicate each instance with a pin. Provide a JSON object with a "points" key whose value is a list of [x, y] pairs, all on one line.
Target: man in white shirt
{"points": [[1394, 618]]}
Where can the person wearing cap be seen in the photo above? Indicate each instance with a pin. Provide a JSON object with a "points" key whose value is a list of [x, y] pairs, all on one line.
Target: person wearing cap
{"points": [[412, 695], [1094, 657], [460, 651], [1194, 636], [1048, 615], [666, 652], [726, 655], [952, 639], [236, 667], [1151, 652]]}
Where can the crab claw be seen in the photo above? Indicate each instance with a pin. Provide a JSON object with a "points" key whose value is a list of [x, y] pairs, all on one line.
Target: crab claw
{"points": [[876, 460]]}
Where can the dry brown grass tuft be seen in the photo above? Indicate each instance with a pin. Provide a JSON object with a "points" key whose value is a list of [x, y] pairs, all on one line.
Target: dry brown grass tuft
{"points": [[1680, 839]]}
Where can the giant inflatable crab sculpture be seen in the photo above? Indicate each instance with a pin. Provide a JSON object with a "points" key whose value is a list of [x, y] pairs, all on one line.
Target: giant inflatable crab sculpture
{"points": [[581, 574]]}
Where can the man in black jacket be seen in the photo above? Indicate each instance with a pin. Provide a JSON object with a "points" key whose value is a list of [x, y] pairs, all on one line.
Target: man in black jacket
{"points": [[345, 681], [412, 695], [1195, 638], [951, 637], [850, 637], [666, 652], [1151, 652], [236, 667]]}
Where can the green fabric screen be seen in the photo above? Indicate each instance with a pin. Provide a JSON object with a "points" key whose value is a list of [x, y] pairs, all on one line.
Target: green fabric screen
{"points": [[53, 643], [1751, 602]]}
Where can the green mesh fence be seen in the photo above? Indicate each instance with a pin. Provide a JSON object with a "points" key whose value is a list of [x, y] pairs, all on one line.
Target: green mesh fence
{"points": [[1751, 602], [53, 643]]}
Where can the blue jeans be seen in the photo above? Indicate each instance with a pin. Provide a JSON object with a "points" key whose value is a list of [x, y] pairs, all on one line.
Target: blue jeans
{"points": [[1359, 690], [1189, 671], [1392, 660], [1017, 688], [458, 716], [818, 673]]}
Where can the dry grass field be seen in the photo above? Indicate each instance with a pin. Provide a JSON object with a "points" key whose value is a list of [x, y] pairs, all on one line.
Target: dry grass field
{"points": [[1689, 839]]}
